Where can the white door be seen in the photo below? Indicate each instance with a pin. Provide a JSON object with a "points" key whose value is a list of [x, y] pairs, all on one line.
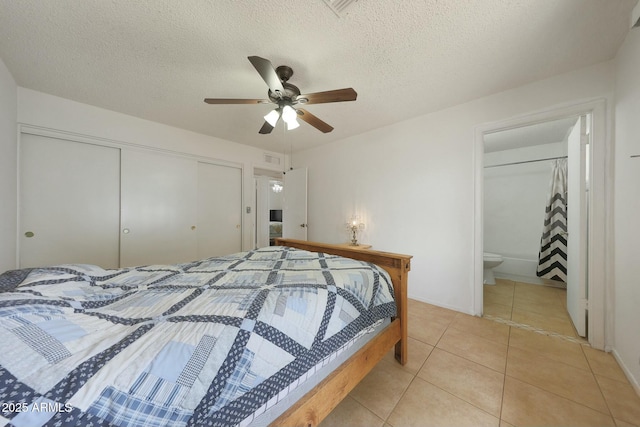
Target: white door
{"points": [[577, 226], [159, 209], [219, 229], [294, 215], [69, 202]]}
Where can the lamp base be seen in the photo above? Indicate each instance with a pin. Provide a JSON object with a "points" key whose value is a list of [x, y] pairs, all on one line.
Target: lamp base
{"points": [[354, 236]]}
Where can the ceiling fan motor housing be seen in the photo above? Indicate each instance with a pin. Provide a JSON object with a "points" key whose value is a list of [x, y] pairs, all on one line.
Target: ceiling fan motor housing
{"points": [[291, 92], [284, 73]]}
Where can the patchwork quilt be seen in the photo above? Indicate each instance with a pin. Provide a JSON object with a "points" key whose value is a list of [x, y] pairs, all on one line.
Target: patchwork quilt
{"points": [[207, 343]]}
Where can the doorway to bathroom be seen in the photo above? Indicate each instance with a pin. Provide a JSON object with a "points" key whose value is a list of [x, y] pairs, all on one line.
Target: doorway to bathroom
{"points": [[514, 165]]}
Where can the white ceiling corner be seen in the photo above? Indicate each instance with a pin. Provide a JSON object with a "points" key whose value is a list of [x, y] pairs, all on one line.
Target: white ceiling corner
{"points": [[158, 60]]}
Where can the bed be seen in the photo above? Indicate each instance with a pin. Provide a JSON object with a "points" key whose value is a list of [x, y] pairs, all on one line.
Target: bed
{"points": [[222, 341]]}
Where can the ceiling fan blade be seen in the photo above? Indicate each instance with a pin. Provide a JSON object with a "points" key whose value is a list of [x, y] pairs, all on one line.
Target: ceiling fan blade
{"points": [[314, 121], [266, 128], [235, 101], [338, 95], [268, 73]]}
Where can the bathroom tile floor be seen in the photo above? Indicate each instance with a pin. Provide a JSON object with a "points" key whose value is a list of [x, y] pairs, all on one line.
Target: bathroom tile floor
{"points": [[470, 371], [540, 307]]}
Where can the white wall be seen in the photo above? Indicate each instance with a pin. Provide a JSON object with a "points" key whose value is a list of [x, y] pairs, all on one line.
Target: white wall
{"points": [[515, 197], [8, 169], [51, 112], [413, 182], [627, 206]]}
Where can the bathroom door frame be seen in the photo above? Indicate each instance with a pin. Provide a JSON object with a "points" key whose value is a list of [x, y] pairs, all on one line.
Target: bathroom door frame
{"points": [[599, 262]]}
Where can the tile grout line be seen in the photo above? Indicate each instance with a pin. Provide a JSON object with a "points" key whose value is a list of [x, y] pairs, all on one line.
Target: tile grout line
{"points": [[452, 394], [513, 303], [504, 378], [606, 410], [536, 330], [445, 390], [539, 387], [415, 375], [593, 374], [386, 420], [582, 343]]}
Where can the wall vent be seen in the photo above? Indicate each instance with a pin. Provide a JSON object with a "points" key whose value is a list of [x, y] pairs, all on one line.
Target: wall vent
{"points": [[338, 6], [269, 158]]}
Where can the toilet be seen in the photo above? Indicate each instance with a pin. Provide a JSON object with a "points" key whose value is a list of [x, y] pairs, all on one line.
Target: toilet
{"points": [[490, 261]]}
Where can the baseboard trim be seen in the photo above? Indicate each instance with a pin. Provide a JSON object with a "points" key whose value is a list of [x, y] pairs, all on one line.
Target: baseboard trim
{"points": [[634, 383]]}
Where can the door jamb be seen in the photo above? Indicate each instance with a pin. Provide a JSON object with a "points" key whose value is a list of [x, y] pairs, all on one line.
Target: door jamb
{"points": [[599, 260]]}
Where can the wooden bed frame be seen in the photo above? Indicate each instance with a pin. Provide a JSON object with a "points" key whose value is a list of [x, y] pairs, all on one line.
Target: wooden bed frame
{"points": [[322, 399]]}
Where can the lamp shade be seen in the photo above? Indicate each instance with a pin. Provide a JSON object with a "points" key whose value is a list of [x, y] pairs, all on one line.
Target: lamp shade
{"points": [[292, 124], [288, 114], [272, 117]]}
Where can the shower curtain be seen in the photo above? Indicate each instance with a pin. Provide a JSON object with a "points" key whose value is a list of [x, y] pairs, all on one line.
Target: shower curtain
{"points": [[552, 258]]}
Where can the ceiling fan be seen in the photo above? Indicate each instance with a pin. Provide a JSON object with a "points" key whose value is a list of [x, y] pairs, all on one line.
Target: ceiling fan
{"points": [[286, 96]]}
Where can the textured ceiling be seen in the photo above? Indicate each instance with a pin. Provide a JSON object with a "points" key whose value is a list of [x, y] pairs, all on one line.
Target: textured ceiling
{"points": [[158, 59]]}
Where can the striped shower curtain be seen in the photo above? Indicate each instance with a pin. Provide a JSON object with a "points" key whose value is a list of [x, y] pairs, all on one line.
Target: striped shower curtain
{"points": [[552, 259]]}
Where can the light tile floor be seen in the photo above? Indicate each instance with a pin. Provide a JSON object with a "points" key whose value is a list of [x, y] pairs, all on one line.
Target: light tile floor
{"points": [[470, 371], [539, 307]]}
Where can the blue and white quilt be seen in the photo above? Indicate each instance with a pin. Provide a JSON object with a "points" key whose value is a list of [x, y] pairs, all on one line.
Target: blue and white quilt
{"points": [[207, 343]]}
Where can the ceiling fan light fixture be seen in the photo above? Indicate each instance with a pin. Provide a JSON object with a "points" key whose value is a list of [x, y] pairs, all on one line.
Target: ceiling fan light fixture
{"points": [[289, 116], [272, 117], [285, 95], [288, 113], [292, 124]]}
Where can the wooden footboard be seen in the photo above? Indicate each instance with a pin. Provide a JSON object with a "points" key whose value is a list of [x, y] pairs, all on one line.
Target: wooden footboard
{"points": [[321, 400]]}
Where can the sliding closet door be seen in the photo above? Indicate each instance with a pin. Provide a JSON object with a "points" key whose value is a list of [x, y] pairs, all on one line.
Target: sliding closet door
{"points": [[219, 210], [69, 202], [159, 209]]}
